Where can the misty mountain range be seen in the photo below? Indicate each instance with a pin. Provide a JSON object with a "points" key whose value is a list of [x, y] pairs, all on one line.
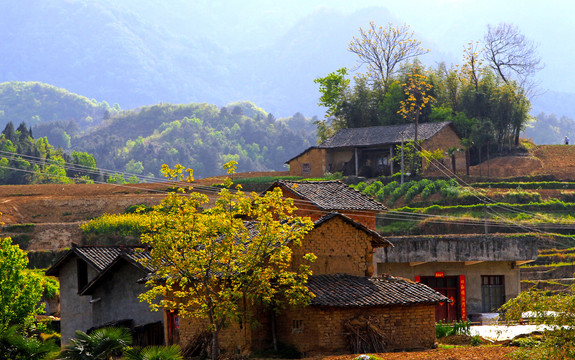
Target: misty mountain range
{"points": [[142, 52]]}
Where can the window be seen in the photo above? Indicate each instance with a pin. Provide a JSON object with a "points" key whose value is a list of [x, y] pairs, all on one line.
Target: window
{"points": [[492, 292], [306, 169], [297, 326], [82, 268]]}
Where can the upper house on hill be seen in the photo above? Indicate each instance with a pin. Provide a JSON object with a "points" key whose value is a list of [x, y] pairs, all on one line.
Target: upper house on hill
{"points": [[318, 198], [369, 151]]}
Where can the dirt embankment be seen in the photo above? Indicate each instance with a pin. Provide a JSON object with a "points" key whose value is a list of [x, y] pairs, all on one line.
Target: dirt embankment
{"points": [[55, 211], [555, 160]]}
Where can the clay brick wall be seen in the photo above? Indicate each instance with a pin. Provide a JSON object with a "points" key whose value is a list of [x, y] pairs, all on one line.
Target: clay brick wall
{"points": [[314, 157], [316, 330], [443, 140], [232, 339], [340, 248], [320, 330]]}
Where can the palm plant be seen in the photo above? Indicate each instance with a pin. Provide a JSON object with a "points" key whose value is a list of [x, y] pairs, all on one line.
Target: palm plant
{"points": [[16, 345], [101, 344], [154, 353]]}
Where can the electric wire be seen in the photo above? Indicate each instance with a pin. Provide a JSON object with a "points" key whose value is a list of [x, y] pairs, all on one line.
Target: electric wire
{"points": [[391, 214]]}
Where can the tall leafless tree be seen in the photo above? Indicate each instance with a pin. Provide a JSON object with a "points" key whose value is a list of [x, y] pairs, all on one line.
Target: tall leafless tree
{"points": [[383, 48], [511, 55]]}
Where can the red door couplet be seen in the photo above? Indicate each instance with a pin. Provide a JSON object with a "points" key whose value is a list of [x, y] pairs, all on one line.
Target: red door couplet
{"points": [[452, 287]]}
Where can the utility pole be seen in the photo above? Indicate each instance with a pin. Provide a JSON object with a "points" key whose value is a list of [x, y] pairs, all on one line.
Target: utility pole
{"points": [[485, 218], [401, 157]]}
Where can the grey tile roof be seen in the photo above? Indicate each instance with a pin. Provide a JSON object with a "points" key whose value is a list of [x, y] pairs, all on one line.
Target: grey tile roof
{"points": [[382, 135], [342, 290], [100, 257], [129, 254], [330, 195]]}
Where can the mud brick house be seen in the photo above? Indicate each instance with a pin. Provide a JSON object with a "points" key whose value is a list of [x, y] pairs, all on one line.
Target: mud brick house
{"points": [[318, 198], [99, 286], [478, 273], [345, 297], [369, 151]]}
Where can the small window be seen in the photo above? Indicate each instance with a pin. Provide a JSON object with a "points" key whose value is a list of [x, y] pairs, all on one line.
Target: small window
{"points": [[297, 326], [306, 169], [492, 292], [82, 267]]}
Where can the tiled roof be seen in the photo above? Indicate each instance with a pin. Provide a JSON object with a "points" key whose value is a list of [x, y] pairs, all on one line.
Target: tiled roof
{"points": [[331, 195], [128, 254], [382, 135], [377, 241], [342, 290], [100, 257]]}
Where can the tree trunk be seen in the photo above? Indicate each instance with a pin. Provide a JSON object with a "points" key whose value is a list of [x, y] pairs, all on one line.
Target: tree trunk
{"points": [[453, 164], [416, 148], [488, 159], [467, 160], [274, 334], [480, 163]]}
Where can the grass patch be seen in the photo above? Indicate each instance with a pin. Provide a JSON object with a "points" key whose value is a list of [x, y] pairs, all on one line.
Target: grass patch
{"points": [[529, 266], [457, 328], [526, 185], [398, 227], [20, 228], [110, 225]]}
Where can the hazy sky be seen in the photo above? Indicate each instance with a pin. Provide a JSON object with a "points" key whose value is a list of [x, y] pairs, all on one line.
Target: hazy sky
{"points": [[453, 23]]}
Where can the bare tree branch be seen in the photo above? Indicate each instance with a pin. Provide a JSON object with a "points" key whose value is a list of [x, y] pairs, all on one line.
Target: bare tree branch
{"points": [[383, 48], [511, 54]]}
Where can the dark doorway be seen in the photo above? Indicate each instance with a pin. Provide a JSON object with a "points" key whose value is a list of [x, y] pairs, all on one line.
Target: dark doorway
{"points": [[449, 287]]}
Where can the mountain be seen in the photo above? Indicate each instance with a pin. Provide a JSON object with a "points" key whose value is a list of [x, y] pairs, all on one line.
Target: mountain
{"points": [[119, 53], [196, 135], [141, 52], [107, 53]]}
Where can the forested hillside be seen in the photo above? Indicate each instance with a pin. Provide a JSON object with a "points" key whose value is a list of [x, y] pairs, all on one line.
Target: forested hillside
{"points": [[26, 160], [199, 136]]}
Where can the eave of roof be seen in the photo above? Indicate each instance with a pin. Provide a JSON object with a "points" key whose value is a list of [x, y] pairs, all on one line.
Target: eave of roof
{"points": [[377, 239], [382, 135], [343, 290], [123, 257], [330, 195]]}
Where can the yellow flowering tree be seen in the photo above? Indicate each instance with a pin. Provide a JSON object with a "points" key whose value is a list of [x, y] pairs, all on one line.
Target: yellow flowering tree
{"points": [[213, 261], [417, 95]]}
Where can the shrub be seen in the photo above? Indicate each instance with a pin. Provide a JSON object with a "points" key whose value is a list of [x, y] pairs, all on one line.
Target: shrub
{"points": [[416, 189], [458, 328], [373, 188], [384, 192]]}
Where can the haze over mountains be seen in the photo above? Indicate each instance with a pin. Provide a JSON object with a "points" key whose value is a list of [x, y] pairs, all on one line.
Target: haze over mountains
{"points": [[144, 52]]}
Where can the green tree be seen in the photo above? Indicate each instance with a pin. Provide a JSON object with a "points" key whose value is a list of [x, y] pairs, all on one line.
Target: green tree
{"points": [[212, 264], [116, 179], [134, 167], [20, 289], [555, 311], [332, 88]]}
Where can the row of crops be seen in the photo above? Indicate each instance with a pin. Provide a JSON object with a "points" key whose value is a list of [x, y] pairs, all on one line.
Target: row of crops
{"points": [[391, 192]]}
